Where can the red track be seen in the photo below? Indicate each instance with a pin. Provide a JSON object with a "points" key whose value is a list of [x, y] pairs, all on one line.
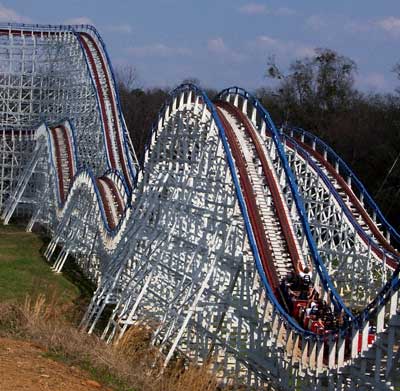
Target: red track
{"points": [[107, 182], [65, 178], [278, 202], [115, 119], [263, 244], [57, 150], [357, 204]]}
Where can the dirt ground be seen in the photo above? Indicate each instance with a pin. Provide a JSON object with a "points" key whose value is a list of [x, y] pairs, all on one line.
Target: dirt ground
{"points": [[24, 367]]}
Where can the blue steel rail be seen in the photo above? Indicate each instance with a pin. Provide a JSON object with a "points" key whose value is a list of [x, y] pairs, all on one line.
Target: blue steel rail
{"points": [[381, 298], [307, 157], [76, 30], [345, 171], [392, 285], [245, 215], [82, 171], [319, 265]]}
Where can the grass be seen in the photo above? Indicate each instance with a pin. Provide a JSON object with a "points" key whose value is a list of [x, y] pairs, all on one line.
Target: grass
{"points": [[132, 365], [41, 307], [102, 375], [23, 271]]}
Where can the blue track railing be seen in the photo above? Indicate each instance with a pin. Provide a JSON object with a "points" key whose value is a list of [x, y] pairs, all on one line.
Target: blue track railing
{"points": [[85, 171], [319, 265], [393, 284], [346, 172], [386, 291], [88, 29], [210, 106], [367, 239]]}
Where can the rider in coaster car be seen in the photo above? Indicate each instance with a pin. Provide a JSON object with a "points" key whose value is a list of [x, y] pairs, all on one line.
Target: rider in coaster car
{"points": [[304, 283], [305, 276]]}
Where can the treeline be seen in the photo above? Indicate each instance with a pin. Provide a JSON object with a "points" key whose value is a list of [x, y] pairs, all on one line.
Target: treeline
{"points": [[316, 93]]}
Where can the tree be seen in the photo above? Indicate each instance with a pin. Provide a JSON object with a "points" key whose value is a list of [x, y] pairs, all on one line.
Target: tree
{"points": [[396, 70], [127, 77], [316, 87]]}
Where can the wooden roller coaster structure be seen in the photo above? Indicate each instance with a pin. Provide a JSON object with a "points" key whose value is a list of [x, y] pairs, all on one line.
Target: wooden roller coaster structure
{"points": [[253, 248]]}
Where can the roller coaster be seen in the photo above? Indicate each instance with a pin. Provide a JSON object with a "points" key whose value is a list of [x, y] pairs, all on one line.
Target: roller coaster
{"points": [[253, 248]]}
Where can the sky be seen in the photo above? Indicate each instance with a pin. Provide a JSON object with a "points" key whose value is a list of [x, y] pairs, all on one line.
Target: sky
{"points": [[227, 42]]}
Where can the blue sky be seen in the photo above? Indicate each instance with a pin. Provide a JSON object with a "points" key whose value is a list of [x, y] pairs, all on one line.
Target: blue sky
{"points": [[227, 42]]}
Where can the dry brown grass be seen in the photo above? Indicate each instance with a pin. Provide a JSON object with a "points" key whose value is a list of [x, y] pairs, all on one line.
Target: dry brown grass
{"points": [[132, 364]]}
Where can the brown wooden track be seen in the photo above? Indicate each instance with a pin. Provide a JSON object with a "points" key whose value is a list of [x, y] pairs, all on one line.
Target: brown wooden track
{"points": [[102, 103], [101, 184], [67, 143], [263, 244], [103, 110], [280, 210], [61, 131], [57, 152], [116, 194], [357, 204]]}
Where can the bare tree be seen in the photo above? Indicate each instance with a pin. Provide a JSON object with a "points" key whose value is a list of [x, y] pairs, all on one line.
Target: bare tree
{"points": [[127, 77]]}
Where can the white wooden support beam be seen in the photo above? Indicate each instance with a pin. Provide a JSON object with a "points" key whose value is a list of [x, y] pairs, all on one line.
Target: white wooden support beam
{"points": [[236, 101], [320, 355], [191, 311], [62, 262], [204, 113], [332, 341], [340, 352], [244, 107], [313, 355], [254, 116], [354, 342], [196, 104], [181, 101], [394, 302], [390, 348], [304, 361], [364, 337], [263, 129], [296, 352]]}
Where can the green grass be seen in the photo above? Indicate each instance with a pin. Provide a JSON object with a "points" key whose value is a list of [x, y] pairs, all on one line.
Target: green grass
{"points": [[103, 375], [23, 270], [25, 273]]}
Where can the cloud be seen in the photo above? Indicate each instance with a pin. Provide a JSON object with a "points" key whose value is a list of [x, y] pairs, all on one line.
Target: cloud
{"points": [[304, 51], [374, 80], [285, 11], [218, 47], [79, 20], [261, 9], [358, 26], [253, 9], [120, 28], [390, 25], [286, 48], [267, 41], [316, 22], [157, 50], [10, 15]]}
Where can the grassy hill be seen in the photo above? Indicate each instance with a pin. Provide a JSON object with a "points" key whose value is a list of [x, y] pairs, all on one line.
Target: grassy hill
{"points": [[39, 313], [23, 270]]}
